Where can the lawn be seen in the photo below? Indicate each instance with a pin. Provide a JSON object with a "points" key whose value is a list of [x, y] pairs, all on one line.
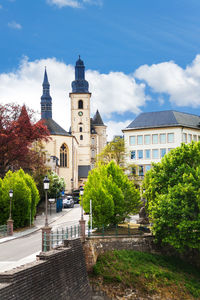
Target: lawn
{"points": [[146, 273]]}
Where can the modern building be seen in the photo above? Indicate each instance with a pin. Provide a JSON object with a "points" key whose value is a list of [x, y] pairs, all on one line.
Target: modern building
{"points": [[151, 135], [72, 154]]}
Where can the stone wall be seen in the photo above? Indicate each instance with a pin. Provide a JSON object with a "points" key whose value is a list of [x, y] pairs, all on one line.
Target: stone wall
{"points": [[94, 246], [59, 274]]}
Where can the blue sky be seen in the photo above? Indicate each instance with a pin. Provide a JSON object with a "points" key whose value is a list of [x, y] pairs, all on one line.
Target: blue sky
{"points": [[140, 55]]}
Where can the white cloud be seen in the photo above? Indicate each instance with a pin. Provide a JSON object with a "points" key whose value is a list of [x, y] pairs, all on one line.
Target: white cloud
{"points": [[182, 85], [14, 25], [115, 128], [74, 3], [111, 93]]}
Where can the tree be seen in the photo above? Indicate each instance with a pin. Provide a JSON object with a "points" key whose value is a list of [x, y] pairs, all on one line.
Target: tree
{"points": [[114, 150], [113, 196], [173, 195], [24, 201], [57, 185], [18, 131]]}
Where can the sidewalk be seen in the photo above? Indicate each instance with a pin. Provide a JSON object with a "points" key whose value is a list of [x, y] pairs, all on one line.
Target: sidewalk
{"points": [[38, 224]]}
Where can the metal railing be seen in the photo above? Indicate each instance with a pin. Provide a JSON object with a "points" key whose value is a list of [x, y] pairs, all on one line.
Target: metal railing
{"points": [[117, 230], [56, 238], [3, 230]]}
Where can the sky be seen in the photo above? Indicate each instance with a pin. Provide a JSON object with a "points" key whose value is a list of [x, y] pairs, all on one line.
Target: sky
{"points": [[140, 55]]}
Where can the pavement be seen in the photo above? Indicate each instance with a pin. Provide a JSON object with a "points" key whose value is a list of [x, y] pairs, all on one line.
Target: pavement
{"points": [[38, 224]]}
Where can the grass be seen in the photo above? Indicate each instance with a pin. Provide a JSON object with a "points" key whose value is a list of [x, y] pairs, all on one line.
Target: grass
{"points": [[149, 274]]}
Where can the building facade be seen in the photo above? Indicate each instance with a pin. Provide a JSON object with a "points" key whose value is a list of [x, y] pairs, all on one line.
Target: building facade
{"points": [[72, 154], [151, 135]]}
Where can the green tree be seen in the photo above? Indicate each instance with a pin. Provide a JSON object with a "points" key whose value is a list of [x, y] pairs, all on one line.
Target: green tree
{"points": [[57, 185], [173, 194], [113, 196]]}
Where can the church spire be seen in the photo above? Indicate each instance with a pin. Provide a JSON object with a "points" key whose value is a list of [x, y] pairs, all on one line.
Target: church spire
{"points": [[80, 85], [46, 101]]}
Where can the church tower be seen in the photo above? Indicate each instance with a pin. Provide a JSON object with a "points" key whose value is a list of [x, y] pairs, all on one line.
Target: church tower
{"points": [[80, 117], [46, 101]]}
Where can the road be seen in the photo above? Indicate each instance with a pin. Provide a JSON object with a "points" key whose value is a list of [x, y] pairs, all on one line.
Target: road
{"points": [[24, 249]]}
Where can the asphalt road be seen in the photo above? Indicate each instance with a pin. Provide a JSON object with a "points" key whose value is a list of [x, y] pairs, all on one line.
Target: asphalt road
{"points": [[24, 249]]}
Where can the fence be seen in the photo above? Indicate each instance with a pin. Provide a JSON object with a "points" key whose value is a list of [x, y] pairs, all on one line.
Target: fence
{"points": [[117, 230], [3, 230], [57, 237]]}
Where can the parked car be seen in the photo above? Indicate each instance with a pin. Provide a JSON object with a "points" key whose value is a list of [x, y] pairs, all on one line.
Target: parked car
{"points": [[76, 199], [68, 202]]}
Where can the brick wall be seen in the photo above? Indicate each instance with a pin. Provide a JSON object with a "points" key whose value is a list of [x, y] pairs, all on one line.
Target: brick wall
{"points": [[59, 274]]}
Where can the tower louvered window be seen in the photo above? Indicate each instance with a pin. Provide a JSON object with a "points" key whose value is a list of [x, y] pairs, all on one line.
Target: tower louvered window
{"points": [[63, 156], [80, 104]]}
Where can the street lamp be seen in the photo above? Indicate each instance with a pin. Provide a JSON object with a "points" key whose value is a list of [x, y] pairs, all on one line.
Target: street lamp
{"points": [[11, 195], [81, 193], [46, 188], [72, 184]]}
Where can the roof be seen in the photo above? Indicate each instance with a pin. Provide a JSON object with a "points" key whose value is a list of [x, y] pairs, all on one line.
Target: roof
{"points": [[97, 120], [54, 128], [165, 119], [83, 171]]}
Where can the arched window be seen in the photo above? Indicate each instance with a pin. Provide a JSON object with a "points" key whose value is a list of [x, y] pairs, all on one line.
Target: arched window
{"points": [[81, 137], [63, 156], [80, 104], [80, 129]]}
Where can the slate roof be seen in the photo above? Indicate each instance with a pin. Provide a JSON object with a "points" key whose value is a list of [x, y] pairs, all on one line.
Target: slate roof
{"points": [[83, 171], [167, 118], [97, 120], [54, 128]]}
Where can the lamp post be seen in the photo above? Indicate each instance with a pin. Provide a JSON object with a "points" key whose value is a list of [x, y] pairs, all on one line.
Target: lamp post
{"points": [[10, 221], [72, 185], [46, 230], [82, 221], [46, 188]]}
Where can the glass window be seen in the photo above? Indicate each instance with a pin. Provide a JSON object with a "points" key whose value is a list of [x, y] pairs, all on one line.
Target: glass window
{"points": [[147, 139], [139, 139], [147, 168], [195, 138], [184, 137], [140, 154], [162, 138], [80, 129], [147, 154], [189, 138], [63, 156], [141, 170], [132, 140], [93, 153], [170, 137], [155, 153], [132, 154], [133, 170], [80, 104], [162, 152], [155, 138]]}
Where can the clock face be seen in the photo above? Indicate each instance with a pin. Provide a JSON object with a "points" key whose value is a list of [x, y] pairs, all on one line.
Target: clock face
{"points": [[80, 113]]}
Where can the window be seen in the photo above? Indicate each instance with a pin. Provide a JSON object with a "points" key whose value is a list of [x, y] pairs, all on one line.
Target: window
{"points": [[184, 137], [162, 138], [147, 168], [141, 170], [155, 138], [80, 129], [189, 138], [162, 152], [132, 140], [132, 154], [92, 141], [93, 154], [147, 154], [155, 153], [147, 139], [133, 171], [80, 104], [170, 137], [195, 138], [81, 137], [63, 156], [139, 139], [140, 154]]}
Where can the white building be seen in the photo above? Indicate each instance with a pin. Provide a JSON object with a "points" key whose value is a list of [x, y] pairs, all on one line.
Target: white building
{"points": [[151, 135]]}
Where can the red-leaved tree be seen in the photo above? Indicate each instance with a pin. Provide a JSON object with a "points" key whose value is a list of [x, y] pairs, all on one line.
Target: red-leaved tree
{"points": [[18, 132]]}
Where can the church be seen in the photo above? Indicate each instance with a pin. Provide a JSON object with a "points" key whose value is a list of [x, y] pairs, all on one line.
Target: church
{"points": [[72, 154]]}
